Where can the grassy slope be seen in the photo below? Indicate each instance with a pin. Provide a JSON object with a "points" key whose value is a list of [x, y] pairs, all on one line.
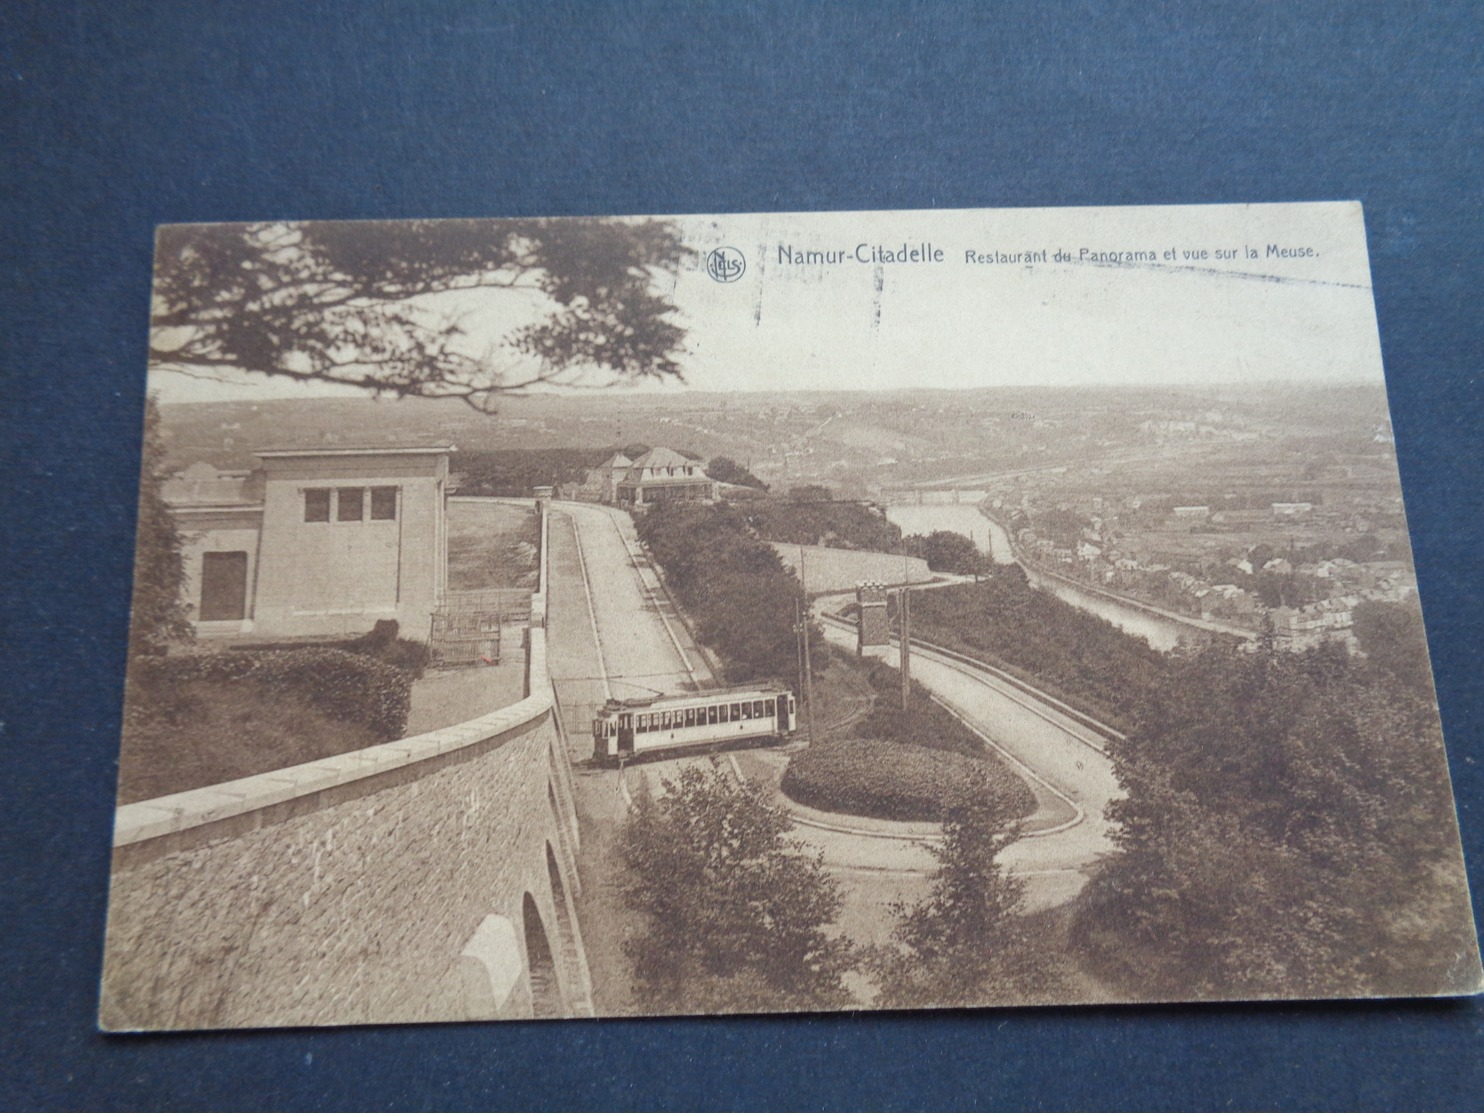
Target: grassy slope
{"points": [[213, 732]]}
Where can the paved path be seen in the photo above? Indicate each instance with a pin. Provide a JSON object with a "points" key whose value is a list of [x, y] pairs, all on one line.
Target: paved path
{"points": [[613, 632], [609, 635]]}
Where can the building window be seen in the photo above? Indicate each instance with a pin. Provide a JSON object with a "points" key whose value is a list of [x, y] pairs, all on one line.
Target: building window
{"points": [[384, 503], [351, 504], [316, 506]]}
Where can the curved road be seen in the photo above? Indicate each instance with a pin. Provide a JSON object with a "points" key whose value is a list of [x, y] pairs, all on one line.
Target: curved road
{"points": [[613, 632], [1064, 754]]}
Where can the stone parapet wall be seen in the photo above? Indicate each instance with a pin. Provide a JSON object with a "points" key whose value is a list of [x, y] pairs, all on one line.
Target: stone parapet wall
{"points": [[830, 569], [431, 878]]}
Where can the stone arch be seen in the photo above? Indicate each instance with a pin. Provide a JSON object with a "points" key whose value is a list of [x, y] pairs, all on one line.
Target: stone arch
{"points": [[546, 990], [563, 913]]}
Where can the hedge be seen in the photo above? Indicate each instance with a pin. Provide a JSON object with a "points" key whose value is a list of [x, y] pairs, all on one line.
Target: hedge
{"points": [[895, 780], [357, 689]]}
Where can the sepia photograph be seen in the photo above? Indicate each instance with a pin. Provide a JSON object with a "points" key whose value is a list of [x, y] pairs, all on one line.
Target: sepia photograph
{"points": [[758, 613]]}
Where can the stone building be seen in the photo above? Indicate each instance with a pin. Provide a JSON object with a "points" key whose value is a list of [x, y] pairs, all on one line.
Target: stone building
{"points": [[662, 476], [601, 483], [315, 542]]}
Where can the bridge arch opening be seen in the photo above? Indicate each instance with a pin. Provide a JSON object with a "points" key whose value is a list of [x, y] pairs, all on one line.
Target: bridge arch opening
{"points": [[564, 919], [546, 992]]}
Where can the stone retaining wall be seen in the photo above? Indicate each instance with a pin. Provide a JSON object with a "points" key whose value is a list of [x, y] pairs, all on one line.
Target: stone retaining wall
{"points": [[830, 569], [427, 879]]}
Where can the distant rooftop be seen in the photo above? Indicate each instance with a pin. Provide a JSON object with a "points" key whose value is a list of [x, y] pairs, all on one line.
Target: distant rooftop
{"points": [[661, 458]]}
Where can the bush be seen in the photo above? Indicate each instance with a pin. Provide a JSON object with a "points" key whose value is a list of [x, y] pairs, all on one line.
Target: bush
{"points": [[733, 586], [356, 689], [892, 780], [383, 643]]}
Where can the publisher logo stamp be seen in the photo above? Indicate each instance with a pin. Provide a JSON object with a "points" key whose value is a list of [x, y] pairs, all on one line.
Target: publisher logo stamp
{"points": [[725, 265]]}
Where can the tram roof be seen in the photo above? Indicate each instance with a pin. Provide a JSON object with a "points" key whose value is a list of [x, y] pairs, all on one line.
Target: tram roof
{"points": [[698, 698]]}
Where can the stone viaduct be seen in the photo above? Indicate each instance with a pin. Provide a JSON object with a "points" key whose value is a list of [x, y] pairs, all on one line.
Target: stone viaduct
{"points": [[432, 878]]}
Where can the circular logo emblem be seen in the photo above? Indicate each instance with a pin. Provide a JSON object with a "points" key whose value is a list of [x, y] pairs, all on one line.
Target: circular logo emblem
{"points": [[726, 265]]}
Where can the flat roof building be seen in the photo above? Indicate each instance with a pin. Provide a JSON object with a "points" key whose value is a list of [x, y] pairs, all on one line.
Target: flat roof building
{"points": [[315, 542]]}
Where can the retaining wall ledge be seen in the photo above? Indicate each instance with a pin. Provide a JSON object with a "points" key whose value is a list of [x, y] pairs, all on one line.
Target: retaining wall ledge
{"points": [[171, 814]]}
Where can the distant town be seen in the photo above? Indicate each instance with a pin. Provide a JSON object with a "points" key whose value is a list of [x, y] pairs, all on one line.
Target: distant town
{"points": [[1252, 510]]}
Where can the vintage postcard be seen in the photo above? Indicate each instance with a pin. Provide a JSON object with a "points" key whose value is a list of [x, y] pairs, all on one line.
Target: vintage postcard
{"points": [[774, 613]]}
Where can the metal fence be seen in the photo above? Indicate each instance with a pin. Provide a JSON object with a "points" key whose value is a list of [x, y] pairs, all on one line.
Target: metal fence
{"points": [[467, 624]]}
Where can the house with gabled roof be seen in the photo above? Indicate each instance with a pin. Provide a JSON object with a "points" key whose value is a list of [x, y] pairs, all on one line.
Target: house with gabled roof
{"points": [[663, 476]]}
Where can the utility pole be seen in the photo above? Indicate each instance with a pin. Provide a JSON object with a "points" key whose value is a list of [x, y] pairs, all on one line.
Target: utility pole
{"points": [[905, 602], [804, 636], [799, 643]]}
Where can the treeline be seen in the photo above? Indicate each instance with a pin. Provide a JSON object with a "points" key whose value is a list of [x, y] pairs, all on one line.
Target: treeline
{"points": [[1034, 635], [730, 472], [516, 472], [829, 523], [1287, 831], [949, 551], [731, 584]]}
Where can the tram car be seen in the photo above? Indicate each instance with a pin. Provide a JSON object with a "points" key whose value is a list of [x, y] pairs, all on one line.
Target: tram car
{"points": [[624, 730]]}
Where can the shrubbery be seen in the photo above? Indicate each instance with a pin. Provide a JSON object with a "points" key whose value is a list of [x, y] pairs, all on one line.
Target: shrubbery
{"points": [[844, 523], [1032, 634], [736, 909], [923, 722], [895, 780], [356, 689], [731, 584], [383, 643], [1287, 830]]}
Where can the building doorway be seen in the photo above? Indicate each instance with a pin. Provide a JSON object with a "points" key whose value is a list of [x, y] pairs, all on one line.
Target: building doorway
{"points": [[224, 586]]}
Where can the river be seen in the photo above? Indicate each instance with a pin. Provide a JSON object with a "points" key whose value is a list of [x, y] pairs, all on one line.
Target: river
{"points": [[991, 538]]}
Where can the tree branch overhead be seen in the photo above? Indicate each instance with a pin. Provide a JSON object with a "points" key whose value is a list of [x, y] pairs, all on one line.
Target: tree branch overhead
{"points": [[347, 303]]}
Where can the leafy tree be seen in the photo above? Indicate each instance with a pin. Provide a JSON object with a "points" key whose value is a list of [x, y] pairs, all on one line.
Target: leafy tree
{"points": [[1392, 637], [844, 524], [736, 910], [733, 586], [1287, 830], [948, 551], [732, 473], [356, 303], [966, 942], [1061, 525], [159, 615], [810, 494]]}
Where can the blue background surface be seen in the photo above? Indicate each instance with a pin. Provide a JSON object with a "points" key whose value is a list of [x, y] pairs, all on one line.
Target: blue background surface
{"points": [[119, 116]]}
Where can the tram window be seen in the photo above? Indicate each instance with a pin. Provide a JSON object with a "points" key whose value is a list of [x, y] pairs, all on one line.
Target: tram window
{"points": [[757, 708], [669, 719], [710, 715], [690, 717], [722, 713], [736, 712], [768, 708]]}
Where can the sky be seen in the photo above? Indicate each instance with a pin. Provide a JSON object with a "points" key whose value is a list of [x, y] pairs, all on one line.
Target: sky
{"points": [[1138, 295]]}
